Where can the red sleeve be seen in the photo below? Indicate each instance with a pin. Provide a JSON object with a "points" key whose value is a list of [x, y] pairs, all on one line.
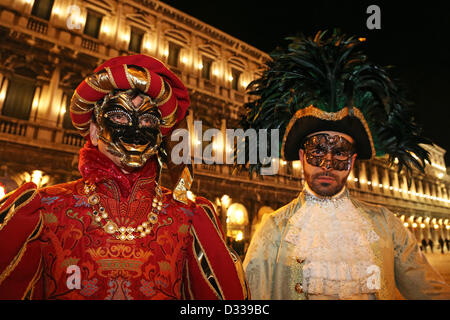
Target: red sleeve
{"points": [[213, 271], [20, 259]]}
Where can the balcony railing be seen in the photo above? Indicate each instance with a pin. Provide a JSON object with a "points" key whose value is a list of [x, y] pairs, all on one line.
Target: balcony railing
{"points": [[37, 25], [27, 132]]}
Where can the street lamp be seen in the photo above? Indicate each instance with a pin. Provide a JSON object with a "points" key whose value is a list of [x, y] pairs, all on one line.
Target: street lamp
{"points": [[224, 202]]}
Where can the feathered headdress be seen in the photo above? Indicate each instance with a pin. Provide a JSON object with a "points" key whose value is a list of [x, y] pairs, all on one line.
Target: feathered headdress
{"points": [[327, 83]]}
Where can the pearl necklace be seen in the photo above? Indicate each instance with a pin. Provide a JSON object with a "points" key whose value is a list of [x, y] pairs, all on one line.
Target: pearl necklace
{"points": [[123, 233]]}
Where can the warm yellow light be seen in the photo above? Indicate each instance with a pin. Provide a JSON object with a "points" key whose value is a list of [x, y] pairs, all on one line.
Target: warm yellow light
{"points": [[148, 45], [282, 162], [184, 60], [225, 200], [356, 179], [215, 72], [2, 192], [422, 225], [414, 225], [166, 53], [230, 78], [362, 181], [440, 175], [362, 40], [436, 226], [106, 29], [369, 182], [125, 37], [406, 224], [36, 177], [239, 236], [296, 164], [56, 11], [190, 195], [447, 227], [200, 66]]}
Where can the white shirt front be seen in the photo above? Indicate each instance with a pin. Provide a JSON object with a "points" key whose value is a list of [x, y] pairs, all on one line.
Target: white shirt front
{"points": [[334, 239]]}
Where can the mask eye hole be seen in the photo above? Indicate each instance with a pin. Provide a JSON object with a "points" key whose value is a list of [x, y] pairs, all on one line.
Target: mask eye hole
{"points": [[118, 116], [148, 120]]}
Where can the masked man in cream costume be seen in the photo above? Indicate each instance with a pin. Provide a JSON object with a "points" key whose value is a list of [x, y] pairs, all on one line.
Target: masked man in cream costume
{"points": [[334, 108]]}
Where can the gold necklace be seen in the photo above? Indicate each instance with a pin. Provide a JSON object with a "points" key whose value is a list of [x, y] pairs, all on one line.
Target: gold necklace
{"points": [[123, 233]]}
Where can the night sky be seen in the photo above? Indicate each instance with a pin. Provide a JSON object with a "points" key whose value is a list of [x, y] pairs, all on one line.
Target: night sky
{"points": [[414, 38]]}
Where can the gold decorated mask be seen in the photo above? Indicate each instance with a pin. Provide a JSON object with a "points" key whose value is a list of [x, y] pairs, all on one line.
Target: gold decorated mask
{"points": [[130, 129]]}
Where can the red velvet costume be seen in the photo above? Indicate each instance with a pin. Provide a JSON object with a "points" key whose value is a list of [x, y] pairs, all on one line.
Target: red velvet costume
{"points": [[50, 238], [55, 229]]}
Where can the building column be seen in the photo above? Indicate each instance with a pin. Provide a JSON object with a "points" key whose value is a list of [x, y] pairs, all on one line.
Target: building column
{"points": [[363, 176]]}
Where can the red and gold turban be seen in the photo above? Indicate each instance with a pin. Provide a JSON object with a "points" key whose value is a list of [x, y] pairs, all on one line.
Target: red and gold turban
{"points": [[145, 73]]}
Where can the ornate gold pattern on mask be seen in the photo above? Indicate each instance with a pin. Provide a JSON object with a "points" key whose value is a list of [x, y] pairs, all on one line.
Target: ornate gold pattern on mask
{"points": [[329, 116], [121, 127], [317, 148]]}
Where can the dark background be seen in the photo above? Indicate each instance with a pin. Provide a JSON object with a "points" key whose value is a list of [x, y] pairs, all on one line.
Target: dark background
{"points": [[414, 38]]}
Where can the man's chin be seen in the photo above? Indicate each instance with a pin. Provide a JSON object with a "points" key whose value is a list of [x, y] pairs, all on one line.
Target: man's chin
{"points": [[326, 189]]}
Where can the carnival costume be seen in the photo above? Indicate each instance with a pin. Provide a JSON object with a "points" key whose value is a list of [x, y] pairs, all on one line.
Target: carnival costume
{"points": [[335, 247], [128, 237]]}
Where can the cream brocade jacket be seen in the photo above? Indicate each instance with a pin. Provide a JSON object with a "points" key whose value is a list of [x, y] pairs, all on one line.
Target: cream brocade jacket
{"points": [[274, 272]]}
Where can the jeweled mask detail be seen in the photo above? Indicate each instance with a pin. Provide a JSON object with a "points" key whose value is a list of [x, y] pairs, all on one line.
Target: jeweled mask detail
{"points": [[131, 131], [317, 148]]}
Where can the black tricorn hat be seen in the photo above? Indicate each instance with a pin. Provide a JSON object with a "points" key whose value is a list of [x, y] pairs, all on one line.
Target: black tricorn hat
{"points": [[328, 84]]}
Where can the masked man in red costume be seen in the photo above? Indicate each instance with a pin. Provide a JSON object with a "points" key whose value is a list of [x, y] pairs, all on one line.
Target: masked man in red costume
{"points": [[116, 233]]}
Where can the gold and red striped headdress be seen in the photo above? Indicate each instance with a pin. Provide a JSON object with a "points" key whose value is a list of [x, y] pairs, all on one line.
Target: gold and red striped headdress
{"points": [[142, 72]]}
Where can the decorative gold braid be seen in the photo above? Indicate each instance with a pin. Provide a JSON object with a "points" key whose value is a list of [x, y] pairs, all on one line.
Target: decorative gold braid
{"points": [[329, 116], [10, 268], [111, 78], [127, 74], [220, 293], [13, 209], [93, 86], [170, 120]]}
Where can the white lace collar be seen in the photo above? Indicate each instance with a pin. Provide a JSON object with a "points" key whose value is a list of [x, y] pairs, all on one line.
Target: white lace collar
{"points": [[334, 239]]}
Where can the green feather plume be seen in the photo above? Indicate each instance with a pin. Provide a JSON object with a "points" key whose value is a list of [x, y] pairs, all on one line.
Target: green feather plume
{"points": [[332, 73]]}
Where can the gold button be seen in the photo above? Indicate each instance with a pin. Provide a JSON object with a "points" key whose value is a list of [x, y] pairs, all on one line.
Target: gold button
{"points": [[300, 260], [299, 288]]}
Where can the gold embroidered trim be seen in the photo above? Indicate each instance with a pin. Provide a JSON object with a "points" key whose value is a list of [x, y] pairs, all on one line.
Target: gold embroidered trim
{"points": [[10, 268], [30, 288], [170, 120], [148, 80], [13, 209], [111, 77], [77, 96], [194, 234], [128, 75], [93, 86], [329, 116]]}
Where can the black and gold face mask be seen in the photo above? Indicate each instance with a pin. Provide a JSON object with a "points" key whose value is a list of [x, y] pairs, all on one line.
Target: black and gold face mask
{"points": [[317, 148], [131, 132]]}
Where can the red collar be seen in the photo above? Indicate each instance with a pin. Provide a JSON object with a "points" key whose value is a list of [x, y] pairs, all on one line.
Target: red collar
{"points": [[95, 167]]}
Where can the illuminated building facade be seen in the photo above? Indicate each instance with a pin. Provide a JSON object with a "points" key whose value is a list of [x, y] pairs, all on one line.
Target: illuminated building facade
{"points": [[47, 47]]}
